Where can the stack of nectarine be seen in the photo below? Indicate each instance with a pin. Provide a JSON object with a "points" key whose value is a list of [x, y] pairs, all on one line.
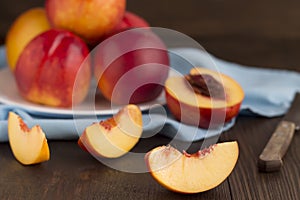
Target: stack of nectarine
{"points": [[48, 48], [48, 52]]}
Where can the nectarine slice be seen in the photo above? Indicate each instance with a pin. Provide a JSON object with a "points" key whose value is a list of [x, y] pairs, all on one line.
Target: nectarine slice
{"points": [[185, 173], [204, 98], [29, 146], [115, 136]]}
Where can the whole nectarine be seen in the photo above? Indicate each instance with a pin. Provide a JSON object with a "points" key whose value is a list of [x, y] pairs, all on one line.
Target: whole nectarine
{"points": [[89, 19], [49, 66], [130, 20], [131, 66], [28, 25]]}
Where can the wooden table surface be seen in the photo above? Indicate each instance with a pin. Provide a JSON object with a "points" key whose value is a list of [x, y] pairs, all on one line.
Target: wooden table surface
{"points": [[263, 34]]}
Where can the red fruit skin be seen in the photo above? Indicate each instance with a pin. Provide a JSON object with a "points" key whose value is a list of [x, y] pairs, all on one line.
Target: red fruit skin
{"points": [[131, 20], [49, 66], [81, 144], [201, 117], [138, 70]]}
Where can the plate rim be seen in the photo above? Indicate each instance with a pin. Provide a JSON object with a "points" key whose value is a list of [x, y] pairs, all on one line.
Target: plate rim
{"points": [[43, 110]]}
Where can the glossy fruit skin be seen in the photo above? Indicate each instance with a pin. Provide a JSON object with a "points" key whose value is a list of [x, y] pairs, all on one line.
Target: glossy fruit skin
{"points": [[131, 20], [201, 117], [49, 66], [136, 72], [90, 20], [28, 25]]}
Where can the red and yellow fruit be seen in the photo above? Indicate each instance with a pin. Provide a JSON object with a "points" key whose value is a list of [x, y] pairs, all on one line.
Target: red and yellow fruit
{"points": [[91, 20], [131, 67], [50, 65], [213, 99], [130, 20], [28, 25]]}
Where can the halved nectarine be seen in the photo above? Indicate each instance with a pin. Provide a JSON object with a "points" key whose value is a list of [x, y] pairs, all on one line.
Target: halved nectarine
{"points": [[29, 146], [185, 173], [204, 98], [115, 136]]}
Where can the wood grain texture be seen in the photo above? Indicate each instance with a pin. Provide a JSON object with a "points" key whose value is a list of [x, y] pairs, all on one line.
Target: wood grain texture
{"points": [[262, 34], [271, 157], [247, 182], [74, 174]]}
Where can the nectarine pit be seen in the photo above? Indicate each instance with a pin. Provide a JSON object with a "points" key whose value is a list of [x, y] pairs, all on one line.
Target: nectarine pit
{"points": [[206, 85]]}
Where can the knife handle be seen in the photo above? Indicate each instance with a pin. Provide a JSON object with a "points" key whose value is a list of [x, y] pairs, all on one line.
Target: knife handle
{"points": [[270, 159]]}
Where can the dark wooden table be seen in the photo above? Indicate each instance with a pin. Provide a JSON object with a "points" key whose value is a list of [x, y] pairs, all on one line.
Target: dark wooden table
{"points": [[264, 34]]}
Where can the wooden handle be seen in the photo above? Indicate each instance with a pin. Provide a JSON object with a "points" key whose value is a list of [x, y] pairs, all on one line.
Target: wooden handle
{"points": [[271, 158]]}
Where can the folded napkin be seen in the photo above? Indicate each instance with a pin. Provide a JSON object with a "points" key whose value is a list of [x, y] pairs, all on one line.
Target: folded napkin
{"points": [[264, 95]]}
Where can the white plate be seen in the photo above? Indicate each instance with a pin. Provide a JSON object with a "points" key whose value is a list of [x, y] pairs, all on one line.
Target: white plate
{"points": [[10, 95]]}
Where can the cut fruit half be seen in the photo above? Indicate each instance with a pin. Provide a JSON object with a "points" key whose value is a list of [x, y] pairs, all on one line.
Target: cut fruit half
{"points": [[203, 98]]}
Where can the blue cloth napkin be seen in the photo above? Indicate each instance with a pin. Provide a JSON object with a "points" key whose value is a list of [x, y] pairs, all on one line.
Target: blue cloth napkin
{"points": [[264, 95], [268, 92]]}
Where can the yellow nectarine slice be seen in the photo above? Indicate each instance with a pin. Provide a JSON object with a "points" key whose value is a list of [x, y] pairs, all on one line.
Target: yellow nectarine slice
{"points": [[29, 146], [115, 136], [185, 173]]}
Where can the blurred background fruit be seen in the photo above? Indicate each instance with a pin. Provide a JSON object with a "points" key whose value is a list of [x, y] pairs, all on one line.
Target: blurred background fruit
{"points": [[130, 20], [131, 67], [91, 20]]}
